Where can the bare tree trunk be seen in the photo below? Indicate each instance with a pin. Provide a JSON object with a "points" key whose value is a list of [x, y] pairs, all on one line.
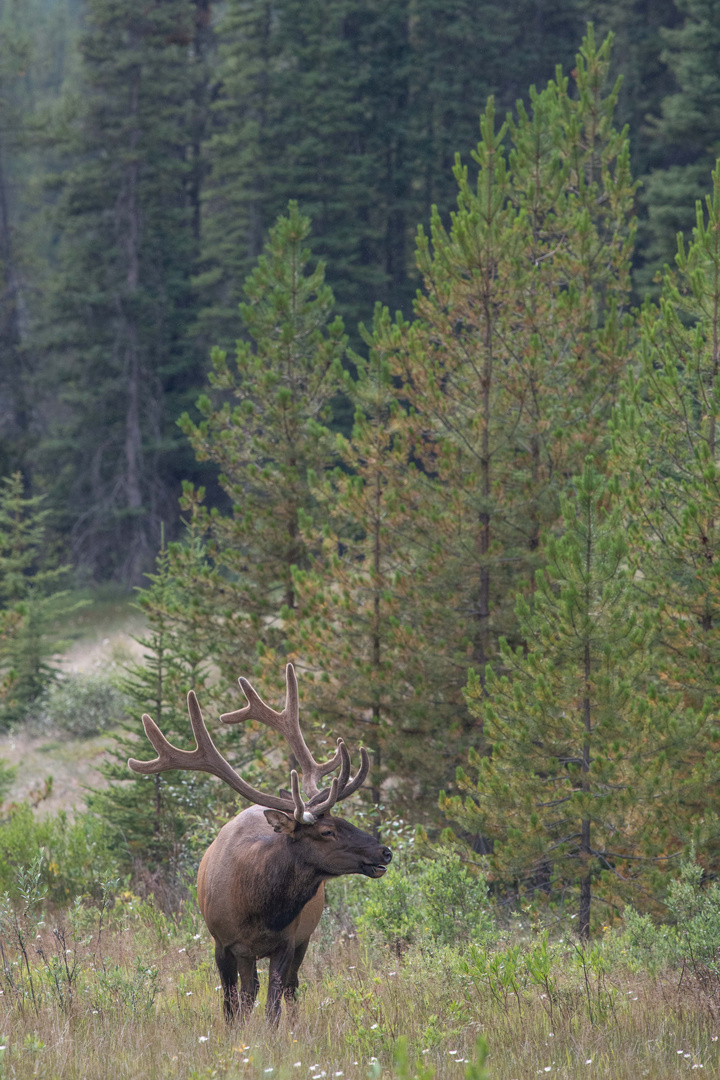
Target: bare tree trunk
{"points": [[482, 615], [128, 225], [585, 849], [14, 410], [376, 657]]}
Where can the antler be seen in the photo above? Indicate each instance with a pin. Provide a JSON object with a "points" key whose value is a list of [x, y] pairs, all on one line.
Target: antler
{"points": [[204, 758], [207, 758], [287, 723]]}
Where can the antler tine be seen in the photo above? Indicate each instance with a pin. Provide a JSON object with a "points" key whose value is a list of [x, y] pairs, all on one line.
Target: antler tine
{"points": [[359, 779], [331, 797], [345, 789], [160, 744], [204, 758], [344, 756], [302, 813]]}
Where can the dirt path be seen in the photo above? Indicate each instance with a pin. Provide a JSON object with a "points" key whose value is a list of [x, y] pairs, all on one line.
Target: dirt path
{"points": [[72, 764], [105, 644]]}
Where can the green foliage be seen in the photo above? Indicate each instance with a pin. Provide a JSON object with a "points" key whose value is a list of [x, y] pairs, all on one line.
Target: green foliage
{"points": [[358, 625], [579, 792], [690, 936], [512, 363], [72, 857], [82, 705], [434, 900], [686, 131], [150, 817], [665, 434], [130, 993], [120, 302], [31, 604], [358, 115], [265, 429], [37, 63], [7, 778]]}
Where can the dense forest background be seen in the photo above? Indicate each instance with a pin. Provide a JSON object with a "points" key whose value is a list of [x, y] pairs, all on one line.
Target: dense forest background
{"points": [[385, 339], [145, 151]]}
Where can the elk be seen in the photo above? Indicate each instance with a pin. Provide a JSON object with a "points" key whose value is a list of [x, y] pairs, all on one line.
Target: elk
{"points": [[261, 883]]}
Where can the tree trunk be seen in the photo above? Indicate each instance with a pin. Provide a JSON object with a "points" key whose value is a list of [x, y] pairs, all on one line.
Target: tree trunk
{"points": [[14, 416], [585, 849], [128, 227]]}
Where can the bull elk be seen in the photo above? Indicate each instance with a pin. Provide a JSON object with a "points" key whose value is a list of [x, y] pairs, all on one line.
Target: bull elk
{"points": [[261, 883]]}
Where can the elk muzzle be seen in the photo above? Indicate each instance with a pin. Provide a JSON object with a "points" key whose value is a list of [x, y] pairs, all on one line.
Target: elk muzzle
{"points": [[376, 870]]}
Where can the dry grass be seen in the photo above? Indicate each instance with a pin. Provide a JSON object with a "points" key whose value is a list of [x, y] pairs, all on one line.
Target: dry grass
{"points": [[357, 1000]]}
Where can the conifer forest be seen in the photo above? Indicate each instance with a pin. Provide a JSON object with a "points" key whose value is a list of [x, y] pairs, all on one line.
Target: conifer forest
{"points": [[379, 337]]}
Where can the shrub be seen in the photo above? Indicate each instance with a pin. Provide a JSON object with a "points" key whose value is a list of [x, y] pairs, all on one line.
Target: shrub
{"points": [[693, 936], [75, 855], [83, 705], [438, 899], [7, 777]]}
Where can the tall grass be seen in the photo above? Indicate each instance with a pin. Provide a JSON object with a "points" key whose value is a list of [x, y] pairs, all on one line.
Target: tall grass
{"points": [[124, 991]]}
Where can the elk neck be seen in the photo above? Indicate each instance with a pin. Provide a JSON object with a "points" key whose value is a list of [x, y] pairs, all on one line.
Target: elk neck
{"points": [[290, 883]]}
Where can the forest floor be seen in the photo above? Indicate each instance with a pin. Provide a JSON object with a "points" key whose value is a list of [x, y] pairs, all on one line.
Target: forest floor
{"points": [[102, 639]]}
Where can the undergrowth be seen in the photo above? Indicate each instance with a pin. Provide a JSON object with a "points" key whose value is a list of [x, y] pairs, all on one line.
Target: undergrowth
{"points": [[112, 986]]}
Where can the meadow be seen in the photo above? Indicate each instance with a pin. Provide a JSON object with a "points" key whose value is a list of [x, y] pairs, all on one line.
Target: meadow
{"points": [[116, 988]]}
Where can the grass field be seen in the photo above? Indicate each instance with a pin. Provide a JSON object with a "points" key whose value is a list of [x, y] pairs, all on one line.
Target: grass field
{"points": [[137, 996]]}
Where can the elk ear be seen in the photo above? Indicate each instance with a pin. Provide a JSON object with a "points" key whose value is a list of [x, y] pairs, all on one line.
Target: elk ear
{"points": [[280, 821]]}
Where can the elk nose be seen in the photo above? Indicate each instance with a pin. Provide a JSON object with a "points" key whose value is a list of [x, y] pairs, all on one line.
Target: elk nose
{"points": [[386, 854]]}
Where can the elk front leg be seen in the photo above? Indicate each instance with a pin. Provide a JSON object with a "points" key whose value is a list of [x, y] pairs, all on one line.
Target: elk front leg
{"points": [[280, 962], [291, 979]]}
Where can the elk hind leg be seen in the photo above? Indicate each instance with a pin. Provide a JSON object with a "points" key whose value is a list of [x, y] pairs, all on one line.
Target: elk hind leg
{"points": [[228, 970], [249, 984], [280, 963]]}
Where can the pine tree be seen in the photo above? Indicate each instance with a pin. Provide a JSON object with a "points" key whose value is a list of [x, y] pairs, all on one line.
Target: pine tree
{"points": [[521, 335], [37, 66], [357, 114], [359, 625], [637, 27], [519, 45], [283, 380], [665, 439], [14, 418], [289, 122], [122, 299], [579, 793], [236, 191], [154, 817], [687, 130], [32, 604]]}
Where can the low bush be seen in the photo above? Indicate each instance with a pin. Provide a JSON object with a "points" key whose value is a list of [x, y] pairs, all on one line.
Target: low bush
{"points": [[436, 899], [75, 854], [7, 778], [690, 939], [82, 705]]}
